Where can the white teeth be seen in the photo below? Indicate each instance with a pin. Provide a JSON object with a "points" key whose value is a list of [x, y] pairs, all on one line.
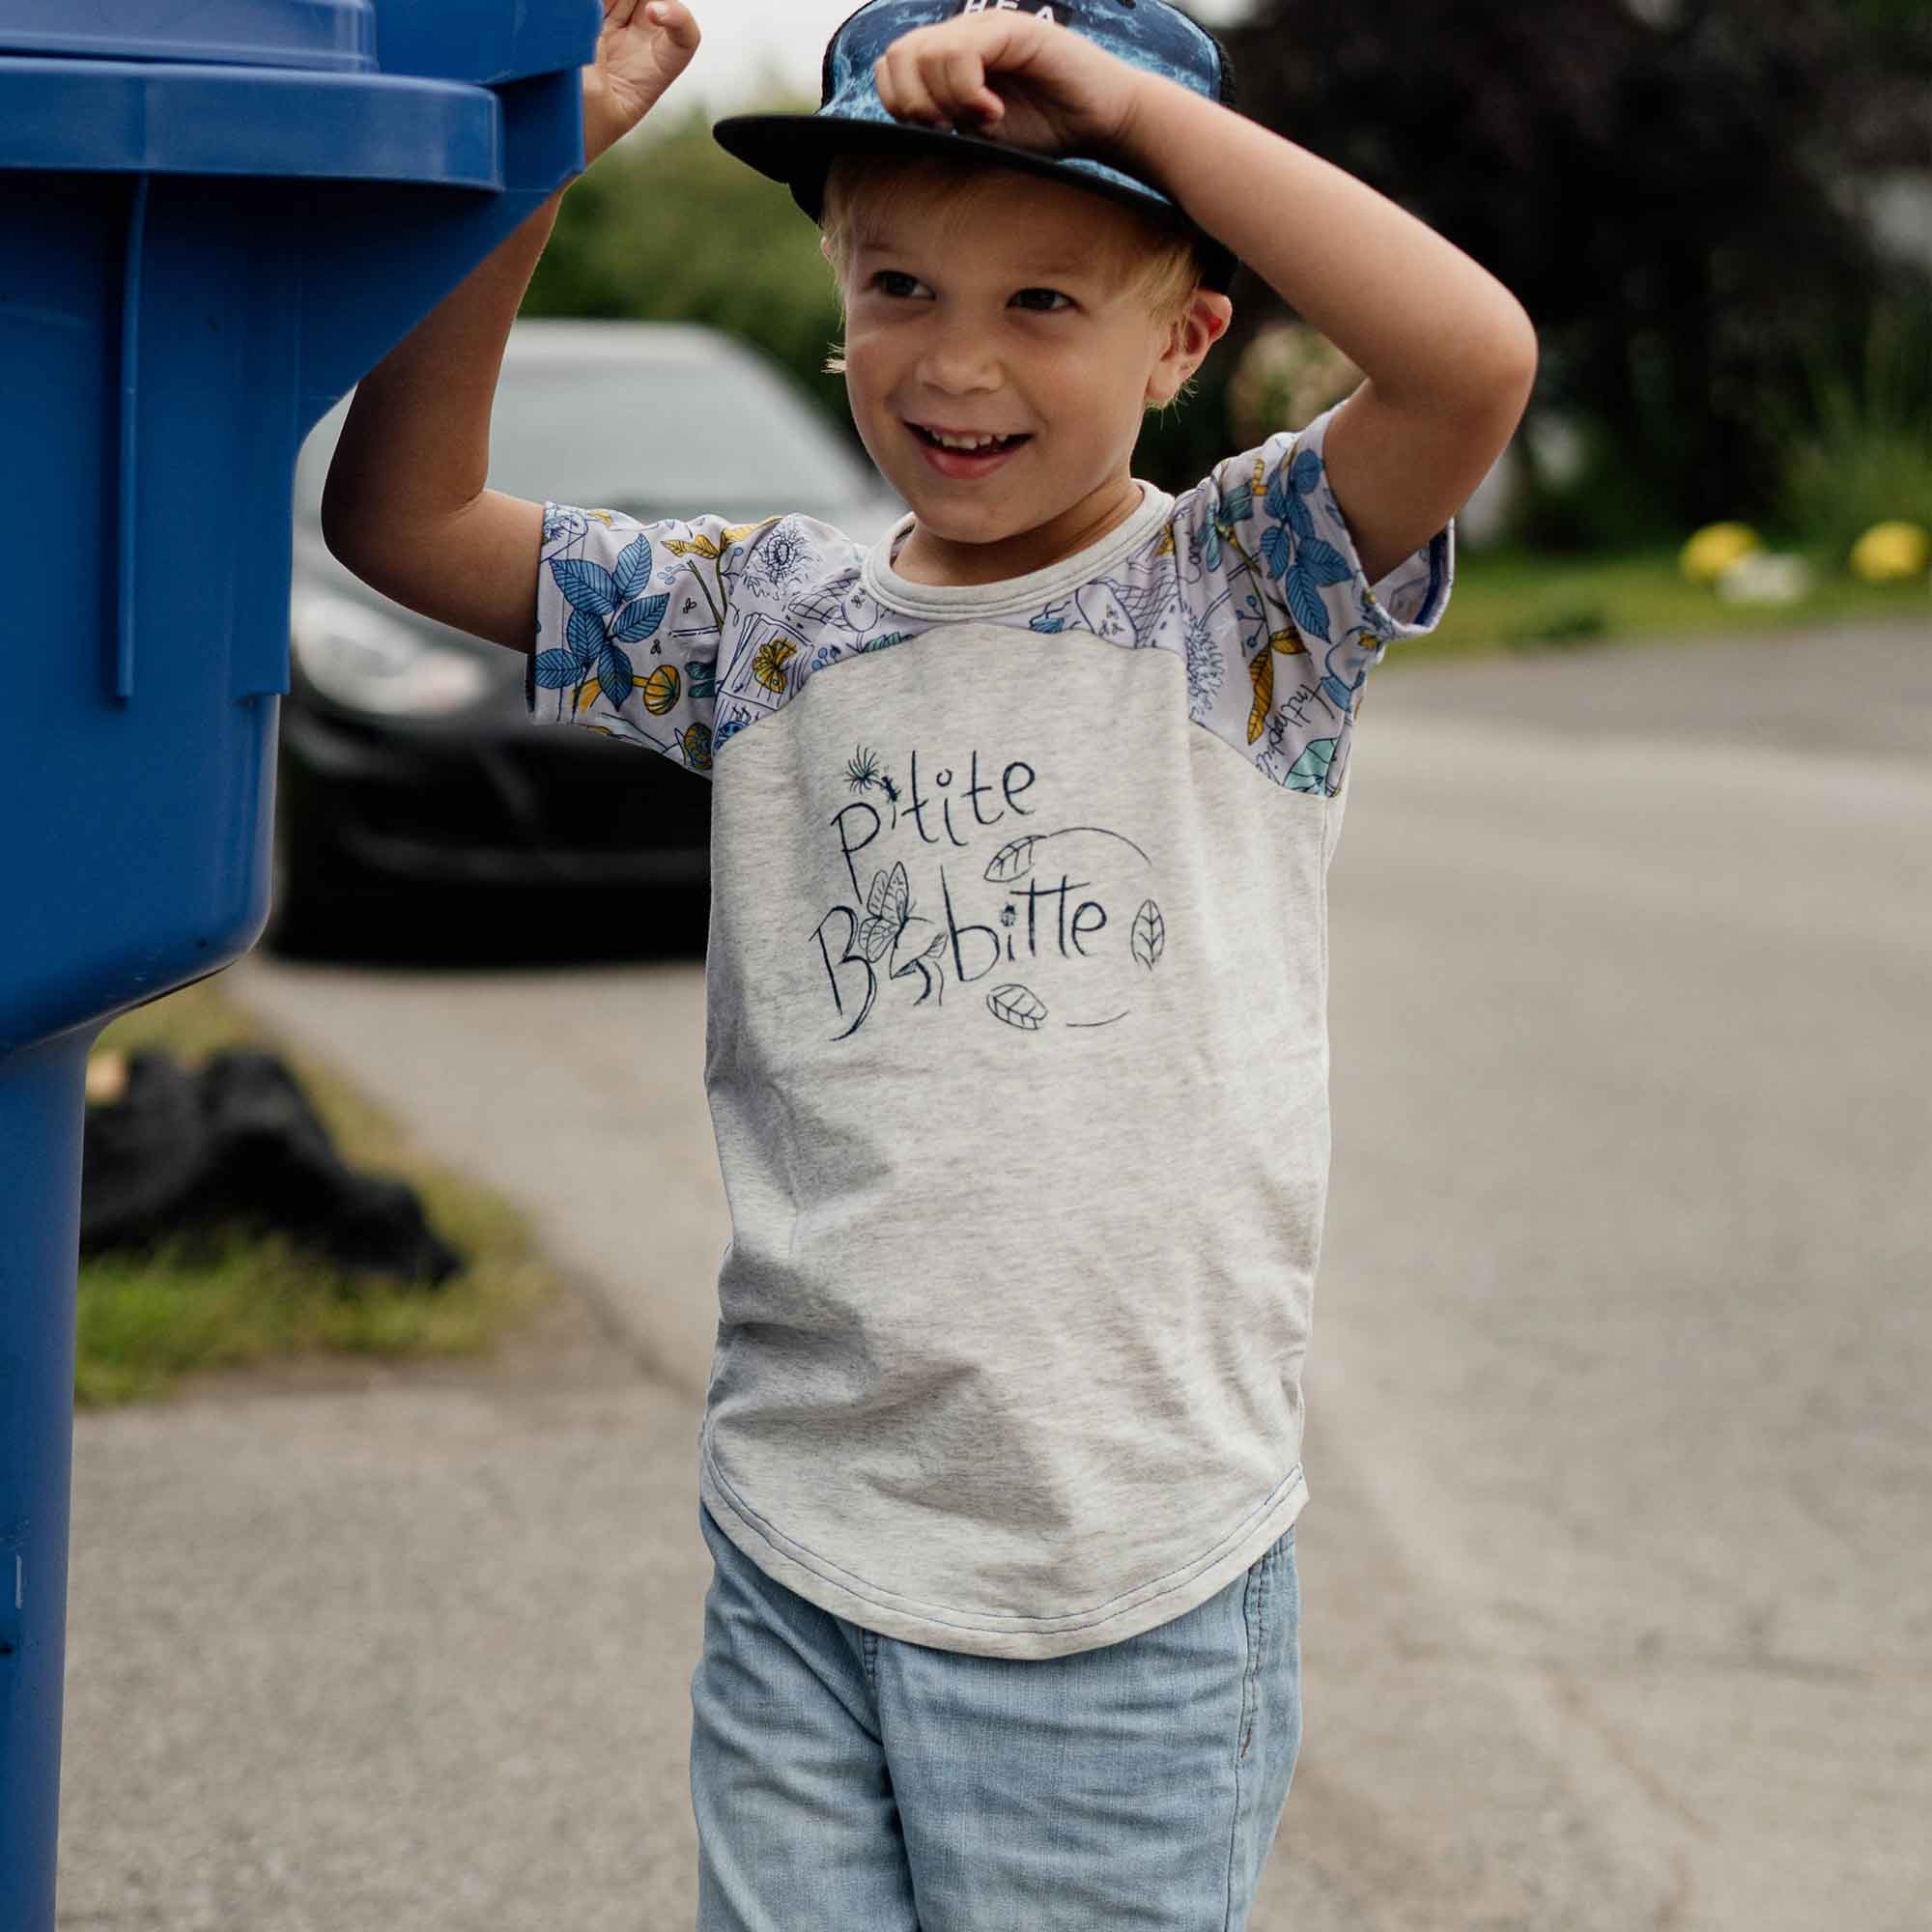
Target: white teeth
{"points": [[945, 442]]}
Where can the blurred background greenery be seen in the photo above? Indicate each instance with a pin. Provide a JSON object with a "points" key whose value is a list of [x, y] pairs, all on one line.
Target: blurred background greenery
{"points": [[1718, 213]]}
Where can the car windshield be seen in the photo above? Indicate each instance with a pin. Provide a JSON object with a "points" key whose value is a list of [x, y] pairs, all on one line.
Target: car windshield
{"points": [[670, 437]]}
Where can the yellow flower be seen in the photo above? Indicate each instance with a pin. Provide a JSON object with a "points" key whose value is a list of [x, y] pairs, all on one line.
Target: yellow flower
{"points": [[1890, 552], [768, 661], [1714, 549]]}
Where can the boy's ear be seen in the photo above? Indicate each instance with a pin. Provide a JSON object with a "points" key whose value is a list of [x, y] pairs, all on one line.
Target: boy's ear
{"points": [[1190, 337]]}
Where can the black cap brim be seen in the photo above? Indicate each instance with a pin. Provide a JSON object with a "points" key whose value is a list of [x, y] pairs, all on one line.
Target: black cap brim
{"points": [[798, 150]]}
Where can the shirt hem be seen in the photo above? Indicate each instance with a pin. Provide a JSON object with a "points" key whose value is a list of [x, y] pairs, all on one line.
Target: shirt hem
{"points": [[799, 1571]]}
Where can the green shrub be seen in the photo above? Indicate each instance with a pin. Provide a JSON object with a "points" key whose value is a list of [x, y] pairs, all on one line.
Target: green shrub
{"points": [[1594, 510], [1862, 452]]}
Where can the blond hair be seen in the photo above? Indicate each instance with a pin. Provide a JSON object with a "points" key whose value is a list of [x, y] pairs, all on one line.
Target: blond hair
{"points": [[1161, 264]]}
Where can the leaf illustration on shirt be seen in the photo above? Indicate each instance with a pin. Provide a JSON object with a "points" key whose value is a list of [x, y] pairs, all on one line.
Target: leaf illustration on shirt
{"points": [[606, 611], [769, 661], [1012, 860], [640, 619], [1150, 935], [1260, 667], [1304, 563], [1310, 770], [929, 969], [1315, 565], [703, 546], [1289, 641], [888, 905], [614, 675], [589, 587], [634, 567], [1280, 501], [1017, 1007]]}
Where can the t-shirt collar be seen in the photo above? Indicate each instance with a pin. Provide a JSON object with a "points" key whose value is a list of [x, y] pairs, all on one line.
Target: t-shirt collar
{"points": [[1013, 595]]}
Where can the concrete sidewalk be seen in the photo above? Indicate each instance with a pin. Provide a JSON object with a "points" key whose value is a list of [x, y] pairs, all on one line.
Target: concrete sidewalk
{"points": [[367, 1651], [358, 1651]]}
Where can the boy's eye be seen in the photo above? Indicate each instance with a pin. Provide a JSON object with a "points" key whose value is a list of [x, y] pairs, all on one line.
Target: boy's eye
{"points": [[895, 282], [1043, 300]]}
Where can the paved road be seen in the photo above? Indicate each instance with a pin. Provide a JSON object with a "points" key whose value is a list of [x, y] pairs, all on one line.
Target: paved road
{"points": [[1618, 1592]]}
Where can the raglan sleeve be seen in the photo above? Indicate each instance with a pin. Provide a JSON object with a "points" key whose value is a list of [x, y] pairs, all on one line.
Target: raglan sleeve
{"points": [[629, 620], [1273, 590]]}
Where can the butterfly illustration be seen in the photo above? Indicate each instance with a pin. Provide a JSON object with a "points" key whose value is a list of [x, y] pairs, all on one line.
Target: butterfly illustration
{"points": [[889, 910]]}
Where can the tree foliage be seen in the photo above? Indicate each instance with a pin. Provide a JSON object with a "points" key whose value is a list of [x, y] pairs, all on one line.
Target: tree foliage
{"points": [[1661, 182], [668, 227]]}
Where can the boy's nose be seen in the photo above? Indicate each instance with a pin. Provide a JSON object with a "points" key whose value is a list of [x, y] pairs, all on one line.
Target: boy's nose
{"points": [[957, 361]]}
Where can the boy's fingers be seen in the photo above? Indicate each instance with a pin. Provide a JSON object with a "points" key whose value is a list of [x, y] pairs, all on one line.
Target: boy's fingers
{"points": [[675, 19], [903, 90], [899, 86], [965, 83]]}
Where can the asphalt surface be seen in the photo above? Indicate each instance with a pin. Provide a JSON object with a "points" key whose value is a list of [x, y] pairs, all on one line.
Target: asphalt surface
{"points": [[1618, 1569]]}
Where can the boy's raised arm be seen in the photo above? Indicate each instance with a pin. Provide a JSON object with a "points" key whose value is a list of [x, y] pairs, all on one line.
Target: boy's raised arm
{"points": [[405, 507], [1450, 354]]}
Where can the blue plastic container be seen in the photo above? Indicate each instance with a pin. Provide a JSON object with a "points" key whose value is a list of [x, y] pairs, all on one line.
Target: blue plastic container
{"points": [[215, 215]]}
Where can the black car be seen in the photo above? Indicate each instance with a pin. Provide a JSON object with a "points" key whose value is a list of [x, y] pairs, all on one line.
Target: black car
{"points": [[408, 764]]}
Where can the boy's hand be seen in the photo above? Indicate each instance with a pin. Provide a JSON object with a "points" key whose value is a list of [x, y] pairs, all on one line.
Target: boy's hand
{"points": [[642, 51], [1011, 76]]}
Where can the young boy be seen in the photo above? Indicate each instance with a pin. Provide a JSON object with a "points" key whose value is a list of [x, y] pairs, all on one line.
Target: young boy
{"points": [[1016, 1040]]}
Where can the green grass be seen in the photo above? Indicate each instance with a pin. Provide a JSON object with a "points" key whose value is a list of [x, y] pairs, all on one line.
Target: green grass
{"points": [[1519, 600], [238, 1297]]}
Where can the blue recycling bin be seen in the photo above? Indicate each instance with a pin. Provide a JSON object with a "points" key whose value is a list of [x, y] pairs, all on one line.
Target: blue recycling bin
{"points": [[215, 215]]}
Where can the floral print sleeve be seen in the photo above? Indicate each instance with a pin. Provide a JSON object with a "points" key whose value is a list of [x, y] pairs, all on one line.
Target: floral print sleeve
{"points": [[631, 618], [1273, 594]]}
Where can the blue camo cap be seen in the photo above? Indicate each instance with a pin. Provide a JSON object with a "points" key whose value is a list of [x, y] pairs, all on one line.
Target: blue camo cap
{"points": [[799, 149]]}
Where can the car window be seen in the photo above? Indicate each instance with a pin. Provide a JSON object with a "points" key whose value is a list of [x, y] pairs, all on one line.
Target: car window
{"points": [[678, 437]]}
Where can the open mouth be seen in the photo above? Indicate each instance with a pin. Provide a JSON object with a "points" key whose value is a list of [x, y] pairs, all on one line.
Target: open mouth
{"points": [[966, 444]]}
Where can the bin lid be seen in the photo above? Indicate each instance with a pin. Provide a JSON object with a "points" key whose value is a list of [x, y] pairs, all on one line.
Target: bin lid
{"points": [[335, 35]]}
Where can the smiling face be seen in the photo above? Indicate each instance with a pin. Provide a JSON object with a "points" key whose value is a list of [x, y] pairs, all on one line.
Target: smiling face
{"points": [[1003, 343]]}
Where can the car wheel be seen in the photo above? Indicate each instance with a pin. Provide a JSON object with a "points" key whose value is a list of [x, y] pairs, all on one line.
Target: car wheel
{"points": [[308, 914], [298, 910]]}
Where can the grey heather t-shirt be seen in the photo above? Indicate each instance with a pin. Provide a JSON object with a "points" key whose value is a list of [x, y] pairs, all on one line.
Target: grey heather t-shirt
{"points": [[1016, 1045]]}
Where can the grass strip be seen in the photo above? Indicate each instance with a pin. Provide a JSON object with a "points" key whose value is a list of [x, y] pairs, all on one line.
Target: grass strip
{"points": [[236, 1296], [1508, 600]]}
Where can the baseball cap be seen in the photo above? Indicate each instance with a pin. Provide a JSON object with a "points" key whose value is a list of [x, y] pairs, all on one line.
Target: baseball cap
{"points": [[799, 149]]}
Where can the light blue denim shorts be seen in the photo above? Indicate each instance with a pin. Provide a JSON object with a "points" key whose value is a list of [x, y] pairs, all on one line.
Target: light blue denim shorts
{"points": [[844, 1781]]}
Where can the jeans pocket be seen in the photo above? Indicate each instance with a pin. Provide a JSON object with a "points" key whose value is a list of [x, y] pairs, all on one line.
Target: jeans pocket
{"points": [[1272, 1614]]}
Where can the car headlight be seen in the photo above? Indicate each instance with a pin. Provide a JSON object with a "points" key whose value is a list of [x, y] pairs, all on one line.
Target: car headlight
{"points": [[358, 657]]}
